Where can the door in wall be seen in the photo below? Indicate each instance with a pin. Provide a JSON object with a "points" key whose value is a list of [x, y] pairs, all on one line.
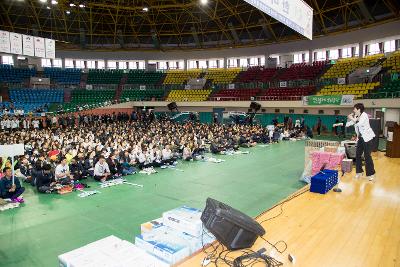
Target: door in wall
{"points": [[380, 115]]}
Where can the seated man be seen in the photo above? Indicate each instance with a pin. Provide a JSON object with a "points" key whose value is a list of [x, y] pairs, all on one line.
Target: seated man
{"points": [[8, 189], [45, 181], [62, 173], [101, 170]]}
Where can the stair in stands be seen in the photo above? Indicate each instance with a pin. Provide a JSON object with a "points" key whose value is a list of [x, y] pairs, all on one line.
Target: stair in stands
{"points": [[83, 81], [4, 93], [121, 84]]}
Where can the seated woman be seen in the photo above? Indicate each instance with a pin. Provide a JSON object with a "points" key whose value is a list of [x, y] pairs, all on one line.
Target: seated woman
{"points": [[114, 165], [45, 181], [127, 163], [187, 153]]}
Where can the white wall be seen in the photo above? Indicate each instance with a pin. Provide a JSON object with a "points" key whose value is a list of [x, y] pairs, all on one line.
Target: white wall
{"points": [[392, 114], [356, 36]]}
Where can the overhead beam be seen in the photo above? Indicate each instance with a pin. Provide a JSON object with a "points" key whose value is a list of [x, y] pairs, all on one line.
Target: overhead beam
{"points": [[364, 11]]}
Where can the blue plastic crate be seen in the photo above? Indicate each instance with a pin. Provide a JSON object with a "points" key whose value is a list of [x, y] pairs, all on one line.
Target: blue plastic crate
{"points": [[324, 181]]}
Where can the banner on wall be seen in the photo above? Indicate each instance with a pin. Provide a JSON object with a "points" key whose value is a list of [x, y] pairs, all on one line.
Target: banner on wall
{"points": [[16, 43], [142, 87], [50, 48], [283, 84], [27, 45], [39, 47], [231, 86], [339, 100], [341, 81], [4, 42]]}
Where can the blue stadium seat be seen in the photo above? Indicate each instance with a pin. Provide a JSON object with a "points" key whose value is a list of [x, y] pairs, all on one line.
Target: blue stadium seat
{"points": [[31, 99], [9, 74], [63, 76]]}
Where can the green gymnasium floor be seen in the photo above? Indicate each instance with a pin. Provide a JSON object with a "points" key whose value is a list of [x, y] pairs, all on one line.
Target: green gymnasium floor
{"points": [[48, 225]]}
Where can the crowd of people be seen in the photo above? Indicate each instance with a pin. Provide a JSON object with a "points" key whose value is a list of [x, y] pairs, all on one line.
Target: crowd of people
{"points": [[68, 148]]}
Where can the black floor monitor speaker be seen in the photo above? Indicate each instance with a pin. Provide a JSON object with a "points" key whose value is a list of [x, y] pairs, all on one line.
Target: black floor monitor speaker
{"points": [[376, 127], [232, 228], [171, 106], [256, 106]]}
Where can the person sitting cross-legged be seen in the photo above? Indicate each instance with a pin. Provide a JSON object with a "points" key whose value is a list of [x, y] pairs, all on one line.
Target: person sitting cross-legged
{"points": [[45, 181], [8, 189], [101, 170], [62, 173]]}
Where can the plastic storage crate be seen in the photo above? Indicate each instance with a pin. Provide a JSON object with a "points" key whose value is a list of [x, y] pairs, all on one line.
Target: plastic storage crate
{"points": [[324, 181]]}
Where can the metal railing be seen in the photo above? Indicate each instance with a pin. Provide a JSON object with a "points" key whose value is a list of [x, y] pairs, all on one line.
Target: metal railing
{"points": [[256, 98], [383, 95]]}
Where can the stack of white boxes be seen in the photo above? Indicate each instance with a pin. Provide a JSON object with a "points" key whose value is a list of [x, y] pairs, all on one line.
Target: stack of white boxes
{"points": [[179, 235], [109, 252]]}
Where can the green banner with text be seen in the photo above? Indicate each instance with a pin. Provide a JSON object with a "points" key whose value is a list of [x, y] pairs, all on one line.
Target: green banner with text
{"points": [[337, 100]]}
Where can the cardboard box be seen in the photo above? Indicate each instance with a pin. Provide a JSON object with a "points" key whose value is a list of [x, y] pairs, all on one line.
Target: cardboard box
{"points": [[184, 219], [109, 252], [148, 226], [164, 244]]}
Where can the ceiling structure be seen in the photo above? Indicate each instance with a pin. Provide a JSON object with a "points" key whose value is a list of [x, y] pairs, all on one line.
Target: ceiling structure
{"points": [[178, 24]]}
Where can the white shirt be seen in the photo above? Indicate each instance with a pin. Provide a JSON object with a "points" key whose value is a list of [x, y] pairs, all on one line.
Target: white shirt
{"points": [[362, 127], [35, 124], [101, 169], [8, 124], [166, 154], [61, 171]]}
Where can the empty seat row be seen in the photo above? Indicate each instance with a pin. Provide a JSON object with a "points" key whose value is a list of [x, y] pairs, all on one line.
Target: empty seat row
{"points": [[104, 76], [9, 74], [188, 95], [144, 77], [63, 76]]}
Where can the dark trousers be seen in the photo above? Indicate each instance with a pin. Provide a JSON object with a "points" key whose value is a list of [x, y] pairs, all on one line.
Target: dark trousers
{"points": [[98, 177], [319, 130], [365, 147], [16, 193]]}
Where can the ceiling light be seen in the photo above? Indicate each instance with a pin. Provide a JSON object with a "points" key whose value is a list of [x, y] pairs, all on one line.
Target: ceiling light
{"points": [[145, 9], [204, 2], [72, 4], [54, 2], [43, 1], [81, 5], [68, 12]]}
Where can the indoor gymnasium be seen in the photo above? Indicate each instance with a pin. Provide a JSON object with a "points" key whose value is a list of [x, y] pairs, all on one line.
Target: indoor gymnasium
{"points": [[193, 133]]}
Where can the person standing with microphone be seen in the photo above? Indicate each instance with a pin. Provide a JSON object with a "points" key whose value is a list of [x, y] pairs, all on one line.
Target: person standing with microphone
{"points": [[365, 134]]}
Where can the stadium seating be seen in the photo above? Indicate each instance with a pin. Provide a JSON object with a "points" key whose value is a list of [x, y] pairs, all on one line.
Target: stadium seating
{"points": [[222, 76], [345, 66], [104, 76], [393, 62], [286, 93], [144, 77], [180, 76], [63, 76], [9, 74], [31, 99], [302, 71], [136, 94], [236, 94], [388, 90], [257, 74], [188, 95], [91, 96], [358, 89]]}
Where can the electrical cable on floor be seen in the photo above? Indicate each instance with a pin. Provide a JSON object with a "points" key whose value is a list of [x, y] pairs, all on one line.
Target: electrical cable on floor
{"points": [[249, 257]]}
